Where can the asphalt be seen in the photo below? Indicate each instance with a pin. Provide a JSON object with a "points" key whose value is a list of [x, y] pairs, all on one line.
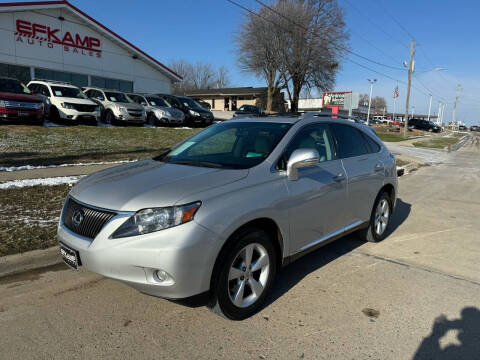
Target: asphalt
{"points": [[416, 295]]}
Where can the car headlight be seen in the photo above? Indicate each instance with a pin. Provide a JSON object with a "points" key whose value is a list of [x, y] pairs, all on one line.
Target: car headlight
{"points": [[159, 112], [155, 219], [194, 113], [123, 109], [67, 106]]}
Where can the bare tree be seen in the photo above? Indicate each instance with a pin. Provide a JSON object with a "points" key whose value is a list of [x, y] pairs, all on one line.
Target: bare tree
{"points": [[198, 76], [315, 39], [259, 51], [378, 102]]}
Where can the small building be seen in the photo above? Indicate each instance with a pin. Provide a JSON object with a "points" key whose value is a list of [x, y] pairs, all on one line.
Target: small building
{"points": [[231, 99], [54, 40]]}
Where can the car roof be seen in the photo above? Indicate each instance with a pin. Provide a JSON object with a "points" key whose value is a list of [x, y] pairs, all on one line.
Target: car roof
{"points": [[52, 82]]}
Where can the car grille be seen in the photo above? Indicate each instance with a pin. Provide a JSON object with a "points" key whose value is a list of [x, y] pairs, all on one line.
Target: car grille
{"points": [[84, 108], [92, 222], [133, 112], [22, 105]]}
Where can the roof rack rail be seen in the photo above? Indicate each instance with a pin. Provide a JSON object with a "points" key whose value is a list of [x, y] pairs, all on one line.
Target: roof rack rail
{"points": [[53, 81], [341, 116]]}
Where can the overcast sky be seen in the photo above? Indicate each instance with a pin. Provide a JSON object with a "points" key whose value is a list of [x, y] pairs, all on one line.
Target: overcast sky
{"points": [[446, 33]]}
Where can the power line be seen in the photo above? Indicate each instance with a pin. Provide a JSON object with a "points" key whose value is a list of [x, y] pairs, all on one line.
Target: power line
{"points": [[396, 21]]}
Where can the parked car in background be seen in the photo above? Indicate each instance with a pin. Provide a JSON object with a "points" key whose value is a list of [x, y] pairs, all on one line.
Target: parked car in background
{"points": [[462, 127], [158, 110], [421, 124], [203, 104], [221, 212], [116, 106], [249, 110], [195, 115], [17, 102], [65, 102], [474, 128]]}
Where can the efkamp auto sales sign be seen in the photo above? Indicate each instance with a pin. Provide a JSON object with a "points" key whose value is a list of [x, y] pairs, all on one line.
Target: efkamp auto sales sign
{"points": [[334, 98], [43, 35]]}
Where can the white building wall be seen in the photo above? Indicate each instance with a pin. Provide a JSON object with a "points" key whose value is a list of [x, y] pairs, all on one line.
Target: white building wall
{"points": [[115, 61]]}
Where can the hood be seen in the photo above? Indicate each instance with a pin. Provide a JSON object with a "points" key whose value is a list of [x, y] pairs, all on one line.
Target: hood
{"points": [[129, 105], [149, 183], [171, 110], [19, 97], [77, 101]]}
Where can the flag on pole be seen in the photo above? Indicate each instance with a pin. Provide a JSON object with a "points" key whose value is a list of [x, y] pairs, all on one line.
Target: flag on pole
{"points": [[395, 92]]}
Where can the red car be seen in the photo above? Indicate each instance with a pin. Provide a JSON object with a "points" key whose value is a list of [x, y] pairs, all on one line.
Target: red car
{"points": [[17, 103]]}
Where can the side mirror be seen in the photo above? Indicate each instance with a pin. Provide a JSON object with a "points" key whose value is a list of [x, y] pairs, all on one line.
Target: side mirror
{"points": [[301, 158]]}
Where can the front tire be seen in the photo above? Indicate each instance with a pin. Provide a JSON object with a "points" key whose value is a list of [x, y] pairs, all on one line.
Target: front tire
{"points": [[151, 119], [245, 276], [109, 118], [379, 219]]}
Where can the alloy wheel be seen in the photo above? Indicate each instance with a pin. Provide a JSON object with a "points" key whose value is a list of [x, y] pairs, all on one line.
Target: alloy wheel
{"points": [[248, 275], [382, 215]]}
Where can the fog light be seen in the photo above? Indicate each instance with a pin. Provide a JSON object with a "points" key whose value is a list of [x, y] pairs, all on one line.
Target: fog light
{"points": [[163, 277]]}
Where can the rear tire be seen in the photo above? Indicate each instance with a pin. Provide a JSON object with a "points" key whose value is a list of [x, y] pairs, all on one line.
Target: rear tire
{"points": [[245, 276], [379, 219]]}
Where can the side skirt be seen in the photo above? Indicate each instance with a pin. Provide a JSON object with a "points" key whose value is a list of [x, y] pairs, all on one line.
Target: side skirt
{"points": [[327, 239]]}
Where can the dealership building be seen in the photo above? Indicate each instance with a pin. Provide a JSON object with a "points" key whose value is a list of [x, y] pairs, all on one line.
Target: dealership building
{"points": [[54, 40]]}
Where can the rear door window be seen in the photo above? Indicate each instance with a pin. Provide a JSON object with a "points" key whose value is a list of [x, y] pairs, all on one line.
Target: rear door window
{"points": [[373, 146], [350, 141]]}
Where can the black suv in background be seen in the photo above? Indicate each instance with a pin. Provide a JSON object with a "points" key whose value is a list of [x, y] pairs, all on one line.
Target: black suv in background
{"points": [[249, 110], [195, 114], [422, 124], [474, 128]]}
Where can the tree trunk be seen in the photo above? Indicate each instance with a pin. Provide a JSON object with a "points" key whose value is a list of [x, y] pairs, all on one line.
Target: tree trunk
{"points": [[270, 94], [297, 88]]}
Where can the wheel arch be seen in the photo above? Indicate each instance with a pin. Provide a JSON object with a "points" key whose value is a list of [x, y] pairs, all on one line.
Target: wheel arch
{"points": [[263, 223], [390, 190]]}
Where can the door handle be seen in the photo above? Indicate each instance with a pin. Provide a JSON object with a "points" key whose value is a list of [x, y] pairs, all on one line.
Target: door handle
{"points": [[339, 177]]}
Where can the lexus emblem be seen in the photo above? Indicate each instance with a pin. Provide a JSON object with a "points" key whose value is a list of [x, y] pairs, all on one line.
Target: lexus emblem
{"points": [[77, 217]]}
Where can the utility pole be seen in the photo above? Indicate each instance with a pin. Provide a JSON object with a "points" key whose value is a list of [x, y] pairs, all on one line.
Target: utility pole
{"points": [[410, 71], [429, 107], [459, 87], [370, 99], [438, 113]]}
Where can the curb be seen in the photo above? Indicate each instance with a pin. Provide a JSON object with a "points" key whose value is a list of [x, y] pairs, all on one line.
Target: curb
{"points": [[30, 260], [406, 169]]}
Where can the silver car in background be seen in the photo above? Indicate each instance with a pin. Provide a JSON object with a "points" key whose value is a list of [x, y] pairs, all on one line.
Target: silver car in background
{"points": [[221, 212], [158, 110]]}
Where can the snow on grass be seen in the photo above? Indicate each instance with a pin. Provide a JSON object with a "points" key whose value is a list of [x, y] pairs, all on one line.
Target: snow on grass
{"points": [[30, 167], [52, 181]]}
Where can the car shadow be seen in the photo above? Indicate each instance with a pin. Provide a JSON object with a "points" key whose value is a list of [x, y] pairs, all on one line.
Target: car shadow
{"points": [[293, 273], [467, 344]]}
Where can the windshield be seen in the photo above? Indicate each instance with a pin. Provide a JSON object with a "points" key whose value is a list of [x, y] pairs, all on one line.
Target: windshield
{"points": [[70, 92], [157, 102], [235, 145], [117, 97], [190, 103], [13, 86]]}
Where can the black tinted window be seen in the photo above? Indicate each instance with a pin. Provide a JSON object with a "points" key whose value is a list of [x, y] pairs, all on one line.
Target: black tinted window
{"points": [[350, 141], [374, 147]]}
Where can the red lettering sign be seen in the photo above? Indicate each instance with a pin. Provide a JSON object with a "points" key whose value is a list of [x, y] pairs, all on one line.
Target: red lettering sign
{"points": [[52, 35]]}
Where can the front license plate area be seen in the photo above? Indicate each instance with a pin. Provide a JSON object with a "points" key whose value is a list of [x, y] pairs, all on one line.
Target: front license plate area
{"points": [[23, 113], [69, 256]]}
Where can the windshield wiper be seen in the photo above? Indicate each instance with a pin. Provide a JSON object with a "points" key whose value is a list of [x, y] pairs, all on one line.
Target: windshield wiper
{"points": [[198, 163]]}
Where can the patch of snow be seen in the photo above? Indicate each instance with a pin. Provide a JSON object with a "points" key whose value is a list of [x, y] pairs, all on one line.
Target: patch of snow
{"points": [[102, 124], [31, 167], [182, 128], [47, 123], [52, 181]]}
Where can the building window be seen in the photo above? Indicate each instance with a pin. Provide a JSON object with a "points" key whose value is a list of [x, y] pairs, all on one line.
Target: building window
{"points": [[21, 73], [114, 84], [71, 78]]}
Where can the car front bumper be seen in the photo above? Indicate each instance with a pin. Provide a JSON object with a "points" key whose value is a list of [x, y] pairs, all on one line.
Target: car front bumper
{"points": [[186, 252], [74, 115]]}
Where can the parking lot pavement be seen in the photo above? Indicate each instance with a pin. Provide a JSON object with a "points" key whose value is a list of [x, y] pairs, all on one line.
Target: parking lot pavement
{"points": [[414, 295]]}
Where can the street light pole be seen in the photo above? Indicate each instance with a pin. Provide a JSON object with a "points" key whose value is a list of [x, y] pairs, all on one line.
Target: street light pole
{"points": [[429, 107], [370, 99]]}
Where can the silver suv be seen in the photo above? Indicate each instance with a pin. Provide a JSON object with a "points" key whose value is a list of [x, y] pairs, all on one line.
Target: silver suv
{"points": [[116, 106], [221, 212], [158, 110]]}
